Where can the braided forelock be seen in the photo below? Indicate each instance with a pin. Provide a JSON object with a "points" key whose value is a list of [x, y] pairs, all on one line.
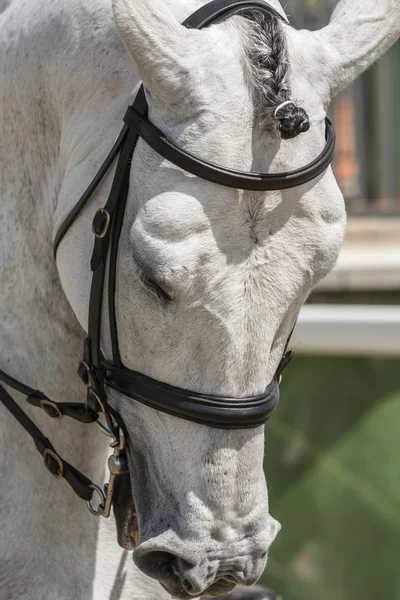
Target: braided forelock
{"points": [[269, 64]]}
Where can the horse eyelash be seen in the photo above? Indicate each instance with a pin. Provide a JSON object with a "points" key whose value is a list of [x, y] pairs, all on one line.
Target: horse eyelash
{"points": [[151, 285]]}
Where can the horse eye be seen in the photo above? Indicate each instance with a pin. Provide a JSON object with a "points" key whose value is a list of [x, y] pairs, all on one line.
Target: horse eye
{"points": [[155, 288], [151, 285]]}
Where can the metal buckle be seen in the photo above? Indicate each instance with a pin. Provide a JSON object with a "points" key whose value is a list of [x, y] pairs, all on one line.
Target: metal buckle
{"points": [[280, 379], [51, 409], [117, 465], [58, 460], [100, 234]]}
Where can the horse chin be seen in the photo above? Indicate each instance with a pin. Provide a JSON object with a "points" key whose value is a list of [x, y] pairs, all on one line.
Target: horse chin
{"points": [[125, 513]]}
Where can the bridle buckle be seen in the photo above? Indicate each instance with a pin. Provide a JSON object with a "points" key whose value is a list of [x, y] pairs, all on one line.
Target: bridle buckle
{"points": [[51, 409], [101, 223], [52, 455]]}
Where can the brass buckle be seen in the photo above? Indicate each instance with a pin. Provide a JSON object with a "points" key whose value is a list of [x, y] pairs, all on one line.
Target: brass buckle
{"points": [[280, 379], [55, 457], [51, 409], [98, 400], [101, 211]]}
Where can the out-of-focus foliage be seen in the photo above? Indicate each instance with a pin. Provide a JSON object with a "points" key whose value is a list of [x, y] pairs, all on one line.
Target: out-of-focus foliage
{"points": [[332, 466]]}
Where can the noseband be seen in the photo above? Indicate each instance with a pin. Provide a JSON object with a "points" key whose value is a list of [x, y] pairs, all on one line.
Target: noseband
{"points": [[96, 371]]}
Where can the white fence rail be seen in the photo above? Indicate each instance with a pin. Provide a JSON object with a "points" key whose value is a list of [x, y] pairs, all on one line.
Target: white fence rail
{"points": [[348, 330]]}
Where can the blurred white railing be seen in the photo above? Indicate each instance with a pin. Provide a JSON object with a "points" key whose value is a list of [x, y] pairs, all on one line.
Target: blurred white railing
{"points": [[348, 330], [370, 258]]}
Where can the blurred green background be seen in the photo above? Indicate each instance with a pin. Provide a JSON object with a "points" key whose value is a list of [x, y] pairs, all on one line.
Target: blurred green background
{"points": [[332, 467], [332, 447]]}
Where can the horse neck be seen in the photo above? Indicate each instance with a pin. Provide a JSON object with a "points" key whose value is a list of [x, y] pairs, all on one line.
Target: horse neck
{"points": [[42, 344]]}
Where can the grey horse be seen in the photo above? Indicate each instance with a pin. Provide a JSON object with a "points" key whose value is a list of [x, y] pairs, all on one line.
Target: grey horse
{"points": [[210, 280]]}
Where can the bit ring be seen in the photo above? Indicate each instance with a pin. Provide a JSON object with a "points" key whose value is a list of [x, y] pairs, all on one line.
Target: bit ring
{"points": [[97, 512]]}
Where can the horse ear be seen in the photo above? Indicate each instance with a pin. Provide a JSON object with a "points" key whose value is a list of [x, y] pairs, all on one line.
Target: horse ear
{"points": [[161, 47], [357, 35]]}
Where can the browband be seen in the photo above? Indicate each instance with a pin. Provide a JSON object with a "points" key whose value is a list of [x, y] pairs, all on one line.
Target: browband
{"points": [[241, 180]]}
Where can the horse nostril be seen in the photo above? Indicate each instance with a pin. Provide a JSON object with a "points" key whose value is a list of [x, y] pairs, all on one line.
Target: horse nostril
{"points": [[159, 565], [187, 586], [175, 573]]}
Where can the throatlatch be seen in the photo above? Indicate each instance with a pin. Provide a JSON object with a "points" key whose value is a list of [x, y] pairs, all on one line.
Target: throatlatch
{"points": [[94, 369]]}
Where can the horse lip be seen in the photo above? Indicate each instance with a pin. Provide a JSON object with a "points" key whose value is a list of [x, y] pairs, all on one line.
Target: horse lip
{"points": [[134, 529], [125, 513], [221, 586]]}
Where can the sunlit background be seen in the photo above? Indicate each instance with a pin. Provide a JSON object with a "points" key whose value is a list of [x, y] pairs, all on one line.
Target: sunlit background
{"points": [[332, 448]]}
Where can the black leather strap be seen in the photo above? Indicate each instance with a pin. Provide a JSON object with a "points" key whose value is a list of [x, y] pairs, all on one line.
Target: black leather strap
{"points": [[87, 194], [219, 10], [141, 108], [213, 411], [81, 485], [114, 210], [75, 410], [206, 409], [157, 140]]}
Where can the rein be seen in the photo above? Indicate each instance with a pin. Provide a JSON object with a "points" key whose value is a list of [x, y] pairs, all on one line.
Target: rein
{"points": [[94, 369]]}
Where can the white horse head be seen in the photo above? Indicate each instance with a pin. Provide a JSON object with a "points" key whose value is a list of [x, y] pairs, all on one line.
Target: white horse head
{"points": [[210, 280]]}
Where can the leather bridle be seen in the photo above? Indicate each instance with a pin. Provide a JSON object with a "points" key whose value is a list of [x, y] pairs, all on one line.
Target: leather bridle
{"points": [[98, 372]]}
